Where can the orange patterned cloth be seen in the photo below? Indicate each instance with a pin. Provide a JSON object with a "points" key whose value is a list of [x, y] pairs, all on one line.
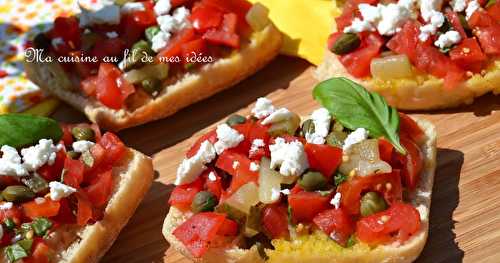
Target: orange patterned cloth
{"points": [[20, 21]]}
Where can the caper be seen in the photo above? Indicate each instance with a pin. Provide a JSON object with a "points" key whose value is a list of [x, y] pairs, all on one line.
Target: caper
{"points": [[83, 133], [15, 193], [235, 119], [151, 32], [36, 184], [41, 41], [140, 47], [151, 85], [203, 201], [73, 155], [312, 181], [346, 43], [372, 203], [9, 224], [307, 127], [336, 138]]}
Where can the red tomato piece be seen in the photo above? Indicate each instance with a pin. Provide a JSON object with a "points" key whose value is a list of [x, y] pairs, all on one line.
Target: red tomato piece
{"points": [[197, 232], [467, 53], [88, 85], [226, 35], [494, 11], [205, 17], [238, 166], [48, 208], [215, 187], [352, 189], [40, 254], [385, 149], [193, 49], [481, 19], [65, 214], [306, 205], [107, 90], [228, 228], [408, 127], [211, 136], [73, 172], [323, 158], [410, 164], [100, 190], [114, 147], [333, 38], [53, 172], [252, 131], [182, 196], [489, 37], [455, 22], [336, 223], [397, 223], [110, 47], [357, 63], [69, 30], [275, 221], [13, 213], [238, 7], [405, 42], [84, 210], [174, 47], [67, 137]]}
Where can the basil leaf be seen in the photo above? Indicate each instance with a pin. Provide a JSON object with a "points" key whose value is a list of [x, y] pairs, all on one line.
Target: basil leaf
{"points": [[490, 3], [41, 225], [18, 130], [339, 178], [354, 107], [15, 252]]}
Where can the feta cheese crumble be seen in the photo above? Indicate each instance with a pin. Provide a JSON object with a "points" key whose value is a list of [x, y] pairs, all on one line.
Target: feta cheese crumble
{"points": [[321, 119], [285, 191], [59, 190], [36, 156], [160, 40], [254, 167], [10, 163], [168, 24], [82, 146], [336, 200], [162, 7], [227, 137], [98, 12], [6, 205], [112, 34], [57, 41], [430, 12], [290, 157], [458, 5], [39, 200], [448, 39], [191, 168], [130, 7], [359, 135], [256, 145], [472, 7], [277, 116], [263, 108], [236, 164], [212, 177]]}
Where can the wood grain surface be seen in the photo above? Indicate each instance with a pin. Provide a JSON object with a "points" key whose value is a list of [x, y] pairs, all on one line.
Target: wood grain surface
{"points": [[465, 211]]}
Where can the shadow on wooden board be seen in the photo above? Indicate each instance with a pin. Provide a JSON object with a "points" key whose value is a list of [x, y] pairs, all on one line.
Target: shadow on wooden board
{"points": [[441, 246]]}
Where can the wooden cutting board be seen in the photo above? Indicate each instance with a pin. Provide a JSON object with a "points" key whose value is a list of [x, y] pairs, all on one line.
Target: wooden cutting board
{"points": [[465, 212]]}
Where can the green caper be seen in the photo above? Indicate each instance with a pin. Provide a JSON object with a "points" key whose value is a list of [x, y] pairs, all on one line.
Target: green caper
{"points": [[307, 127], [338, 127], [336, 138], [151, 85], [312, 181], [140, 47], [9, 223], [346, 43], [83, 133], [88, 159], [41, 41], [203, 201], [36, 184], [235, 119], [372, 203], [15, 193], [73, 155], [151, 32]]}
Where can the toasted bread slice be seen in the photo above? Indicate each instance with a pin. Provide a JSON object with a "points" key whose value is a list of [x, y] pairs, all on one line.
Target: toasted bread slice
{"points": [[424, 92], [303, 250], [192, 87], [132, 180]]}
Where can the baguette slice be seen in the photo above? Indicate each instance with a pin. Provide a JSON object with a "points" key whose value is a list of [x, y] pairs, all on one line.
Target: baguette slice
{"points": [[300, 252], [132, 180], [194, 86]]}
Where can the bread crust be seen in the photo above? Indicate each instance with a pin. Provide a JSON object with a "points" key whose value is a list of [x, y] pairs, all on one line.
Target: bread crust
{"points": [[192, 87], [407, 252], [422, 93], [132, 180]]}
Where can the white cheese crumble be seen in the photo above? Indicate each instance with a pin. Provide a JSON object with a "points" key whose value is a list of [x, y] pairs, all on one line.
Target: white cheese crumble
{"points": [[160, 40], [430, 12], [285, 191], [169, 24], [10, 163], [191, 168], [166, 23], [424, 212], [212, 177], [263, 108], [39, 200], [359, 135], [275, 194], [358, 26], [458, 5], [448, 39], [36, 156], [336, 200], [236, 164], [162, 7], [290, 157], [321, 119], [277, 116], [98, 12], [6, 205], [256, 145], [56, 42], [472, 7], [130, 7], [59, 190], [112, 34], [82, 146], [254, 167], [181, 16], [227, 137]]}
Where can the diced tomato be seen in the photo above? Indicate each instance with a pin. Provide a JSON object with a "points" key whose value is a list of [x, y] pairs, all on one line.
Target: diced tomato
{"points": [[197, 232], [215, 186], [107, 90], [336, 223], [226, 35], [132, 25], [388, 184], [489, 37], [98, 192], [114, 147], [481, 19], [410, 164], [99, 155], [110, 47], [73, 172], [275, 221], [494, 11], [238, 166], [252, 131], [182, 196], [68, 29], [306, 205], [13, 213], [83, 70], [205, 17], [174, 47], [67, 137], [53, 172], [357, 63], [349, 12], [323, 158], [88, 85], [40, 254], [238, 7], [333, 38], [228, 228], [385, 149], [408, 127], [176, 3], [405, 42], [397, 223], [211, 136], [84, 210], [455, 22], [48, 208], [468, 53], [65, 214], [192, 49]]}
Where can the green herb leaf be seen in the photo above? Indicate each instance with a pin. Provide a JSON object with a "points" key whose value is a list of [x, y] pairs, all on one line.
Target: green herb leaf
{"points": [[339, 178], [490, 3], [18, 130], [26, 244], [41, 225], [15, 252], [354, 107], [9, 223]]}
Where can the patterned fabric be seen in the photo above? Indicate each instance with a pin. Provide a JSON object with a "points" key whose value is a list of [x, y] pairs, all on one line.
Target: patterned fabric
{"points": [[21, 20]]}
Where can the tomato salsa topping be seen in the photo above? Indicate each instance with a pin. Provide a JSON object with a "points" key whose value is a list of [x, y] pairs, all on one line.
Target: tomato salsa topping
{"points": [[269, 176], [52, 186], [400, 39]]}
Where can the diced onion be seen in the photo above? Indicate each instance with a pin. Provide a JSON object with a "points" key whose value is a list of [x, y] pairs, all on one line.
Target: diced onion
{"points": [[244, 198], [269, 183], [157, 71], [391, 67], [257, 17], [364, 157]]}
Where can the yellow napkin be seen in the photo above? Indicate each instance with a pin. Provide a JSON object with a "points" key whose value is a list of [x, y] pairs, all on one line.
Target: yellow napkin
{"points": [[306, 25]]}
